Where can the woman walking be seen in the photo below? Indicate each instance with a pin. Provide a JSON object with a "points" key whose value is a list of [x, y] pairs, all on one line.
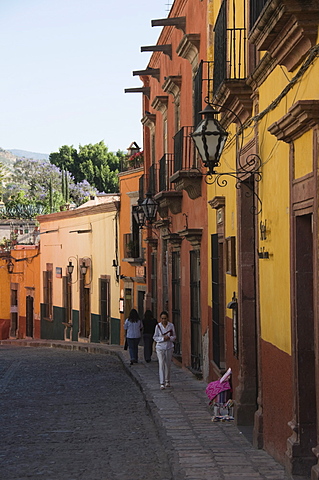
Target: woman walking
{"points": [[149, 324], [164, 337], [133, 327]]}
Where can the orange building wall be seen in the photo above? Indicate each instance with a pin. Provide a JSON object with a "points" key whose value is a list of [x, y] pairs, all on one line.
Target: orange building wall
{"points": [[26, 276], [129, 188]]}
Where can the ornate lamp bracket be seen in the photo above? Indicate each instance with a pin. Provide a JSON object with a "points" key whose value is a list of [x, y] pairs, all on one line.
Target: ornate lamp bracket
{"points": [[210, 138]]}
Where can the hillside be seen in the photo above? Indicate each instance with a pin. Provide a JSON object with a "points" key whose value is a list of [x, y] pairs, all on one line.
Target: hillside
{"points": [[8, 157], [26, 154]]}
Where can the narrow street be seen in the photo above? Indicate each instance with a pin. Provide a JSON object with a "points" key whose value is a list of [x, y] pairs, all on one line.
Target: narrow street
{"points": [[80, 411], [71, 415]]}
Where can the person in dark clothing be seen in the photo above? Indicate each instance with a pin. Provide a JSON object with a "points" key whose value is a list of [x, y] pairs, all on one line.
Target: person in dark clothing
{"points": [[149, 324], [133, 327]]}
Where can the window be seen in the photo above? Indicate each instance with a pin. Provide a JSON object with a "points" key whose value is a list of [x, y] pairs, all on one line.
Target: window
{"points": [[67, 298], [105, 300], [154, 283], [152, 142], [48, 291], [198, 94], [85, 304], [14, 309], [231, 256], [255, 9], [218, 301], [165, 275], [196, 333], [177, 114], [176, 301], [165, 146]]}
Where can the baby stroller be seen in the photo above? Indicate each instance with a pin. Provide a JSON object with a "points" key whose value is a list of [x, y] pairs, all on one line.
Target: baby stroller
{"points": [[219, 393]]}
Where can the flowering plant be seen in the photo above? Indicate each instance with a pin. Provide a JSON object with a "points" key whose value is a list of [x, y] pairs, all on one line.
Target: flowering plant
{"points": [[137, 159]]}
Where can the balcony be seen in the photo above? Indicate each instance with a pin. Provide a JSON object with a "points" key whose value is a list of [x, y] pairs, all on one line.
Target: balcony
{"points": [[126, 164], [131, 249], [187, 174], [230, 70], [255, 9], [287, 30], [168, 197]]}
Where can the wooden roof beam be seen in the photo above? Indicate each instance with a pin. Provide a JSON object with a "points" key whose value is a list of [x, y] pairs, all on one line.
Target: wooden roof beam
{"points": [[178, 22], [144, 90], [166, 49], [153, 72]]}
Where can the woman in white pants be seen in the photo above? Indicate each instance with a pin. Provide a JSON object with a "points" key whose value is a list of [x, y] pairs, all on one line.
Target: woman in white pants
{"points": [[164, 337]]}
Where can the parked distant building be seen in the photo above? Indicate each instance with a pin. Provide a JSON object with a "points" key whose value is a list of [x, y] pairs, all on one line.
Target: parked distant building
{"points": [[79, 286], [20, 292], [132, 256]]}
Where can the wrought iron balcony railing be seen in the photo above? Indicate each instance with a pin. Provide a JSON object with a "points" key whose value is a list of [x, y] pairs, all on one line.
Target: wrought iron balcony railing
{"points": [[255, 9], [184, 153], [149, 183], [166, 170], [230, 51]]}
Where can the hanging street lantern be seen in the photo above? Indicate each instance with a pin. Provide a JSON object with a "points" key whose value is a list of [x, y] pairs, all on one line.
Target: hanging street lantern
{"points": [[149, 206], [209, 138], [139, 215]]}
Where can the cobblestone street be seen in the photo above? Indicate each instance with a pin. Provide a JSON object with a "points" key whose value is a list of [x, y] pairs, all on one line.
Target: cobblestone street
{"points": [[73, 412], [70, 415]]}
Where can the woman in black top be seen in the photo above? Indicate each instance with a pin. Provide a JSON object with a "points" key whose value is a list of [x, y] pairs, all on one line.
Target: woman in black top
{"points": [[149, 324]]}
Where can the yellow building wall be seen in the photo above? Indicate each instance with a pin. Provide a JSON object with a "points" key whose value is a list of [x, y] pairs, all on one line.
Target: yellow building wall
{"points": [[61, 246], [274, 274], [303, 155]]}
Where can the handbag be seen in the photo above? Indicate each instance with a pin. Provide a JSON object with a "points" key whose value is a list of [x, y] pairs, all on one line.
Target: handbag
{"points": [[125, 344]]}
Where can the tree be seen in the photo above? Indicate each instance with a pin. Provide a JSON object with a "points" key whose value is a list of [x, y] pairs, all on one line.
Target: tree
{"points": [[93, 162], [67, 158], [39, 183]]}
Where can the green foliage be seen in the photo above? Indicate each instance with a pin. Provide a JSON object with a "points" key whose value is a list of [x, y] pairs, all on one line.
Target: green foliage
{"points": [[21, 207], [35, 187], [67, 158], [92, 162]]}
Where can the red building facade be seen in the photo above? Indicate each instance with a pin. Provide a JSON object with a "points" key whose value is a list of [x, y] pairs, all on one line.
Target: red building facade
{"points": [[177, 241]]}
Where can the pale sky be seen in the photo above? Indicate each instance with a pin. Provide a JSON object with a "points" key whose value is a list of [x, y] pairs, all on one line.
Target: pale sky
{"points": [[64, 65]]}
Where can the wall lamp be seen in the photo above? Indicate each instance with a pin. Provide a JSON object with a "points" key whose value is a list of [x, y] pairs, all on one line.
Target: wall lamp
{"points": [[70, 269], [83, 268], [209, 138], [10, 266], [117, 270], [146, 210], [139, 214], [85, 265]]}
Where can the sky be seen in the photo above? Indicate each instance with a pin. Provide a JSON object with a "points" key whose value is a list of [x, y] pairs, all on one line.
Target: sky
{"points": [[64, 65]]}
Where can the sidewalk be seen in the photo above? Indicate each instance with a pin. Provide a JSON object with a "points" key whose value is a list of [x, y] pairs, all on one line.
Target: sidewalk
{"points": [[199, 448]]}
